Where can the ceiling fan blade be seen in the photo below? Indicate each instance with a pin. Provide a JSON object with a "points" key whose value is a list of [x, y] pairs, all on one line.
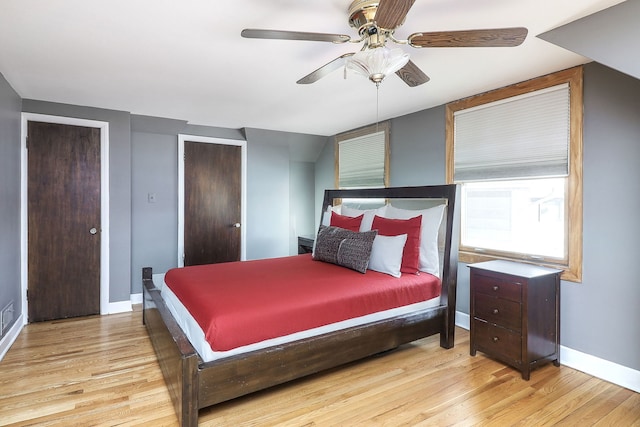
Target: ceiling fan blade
{"points": [[412, 75], [251, 33], [391, 13], [324, 70], [495, 37]]}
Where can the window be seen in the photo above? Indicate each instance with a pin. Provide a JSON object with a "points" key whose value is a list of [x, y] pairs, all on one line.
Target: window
{"points": [[362, 158], [517, 153]]}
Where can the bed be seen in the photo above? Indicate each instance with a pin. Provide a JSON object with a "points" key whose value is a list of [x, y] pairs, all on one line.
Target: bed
{"points": [[195, 382]]}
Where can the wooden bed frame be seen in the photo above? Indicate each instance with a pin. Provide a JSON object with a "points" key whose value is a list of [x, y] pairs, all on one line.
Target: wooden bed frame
{"points": [[194, 384]]}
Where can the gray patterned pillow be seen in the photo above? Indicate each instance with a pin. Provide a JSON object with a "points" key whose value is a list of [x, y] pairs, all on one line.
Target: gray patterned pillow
{"points": [[344, 247]]}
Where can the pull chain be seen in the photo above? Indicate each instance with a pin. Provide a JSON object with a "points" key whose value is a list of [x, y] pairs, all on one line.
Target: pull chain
{"points": [[377, 104]]}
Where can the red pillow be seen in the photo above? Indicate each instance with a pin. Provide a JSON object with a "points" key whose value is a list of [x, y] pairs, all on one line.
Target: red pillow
{"points": [[410, 227], [347, 222]]}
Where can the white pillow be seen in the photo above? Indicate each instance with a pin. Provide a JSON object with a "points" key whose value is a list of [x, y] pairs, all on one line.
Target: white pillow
{"points": [[367, 221], [326, 215], [386, 254], [429, 260]]}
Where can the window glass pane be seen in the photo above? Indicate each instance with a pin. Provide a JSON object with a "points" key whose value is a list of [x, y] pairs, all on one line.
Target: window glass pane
{"points": [[522, 216]]}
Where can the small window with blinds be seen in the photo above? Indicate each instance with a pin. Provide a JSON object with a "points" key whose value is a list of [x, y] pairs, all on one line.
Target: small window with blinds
{"points": [[517, 153], [362, 157]]}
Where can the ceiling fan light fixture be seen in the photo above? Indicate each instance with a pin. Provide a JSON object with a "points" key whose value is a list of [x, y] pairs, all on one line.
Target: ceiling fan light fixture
{"points": [[376, 22], [377, 63]]}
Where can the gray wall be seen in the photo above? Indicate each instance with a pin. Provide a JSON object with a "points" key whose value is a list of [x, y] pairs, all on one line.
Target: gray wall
{"points": [[267, 225], [279, 181], [154, 226], [302, 202], [154, 160], [417, 149], [607, 36], [417, 154], [599, 316], [10, 128], [324, 176]]}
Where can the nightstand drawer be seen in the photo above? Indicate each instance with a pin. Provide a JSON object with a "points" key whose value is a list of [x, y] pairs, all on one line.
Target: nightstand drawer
{"points": [[497, 288], [499, 342], [499, 311]]}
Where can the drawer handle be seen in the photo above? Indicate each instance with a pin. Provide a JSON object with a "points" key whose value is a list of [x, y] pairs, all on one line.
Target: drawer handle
{"points": [[496, 288], [495, 311], [495, 339]]}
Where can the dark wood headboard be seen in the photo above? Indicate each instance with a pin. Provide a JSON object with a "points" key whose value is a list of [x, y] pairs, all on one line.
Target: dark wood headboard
{"points": [[448, 194]]}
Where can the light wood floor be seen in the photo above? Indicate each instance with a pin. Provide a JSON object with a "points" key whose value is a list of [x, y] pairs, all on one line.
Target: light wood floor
{"points": [[102, 371]]}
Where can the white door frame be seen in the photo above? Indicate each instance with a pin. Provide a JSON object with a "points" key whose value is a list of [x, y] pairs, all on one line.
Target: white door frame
{"points": [[243, 198], [104, 204]]}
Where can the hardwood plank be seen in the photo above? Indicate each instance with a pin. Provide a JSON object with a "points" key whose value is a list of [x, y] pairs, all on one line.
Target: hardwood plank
{"points": [[103, 371], [88, 371], [610, 397], [626, 413]]}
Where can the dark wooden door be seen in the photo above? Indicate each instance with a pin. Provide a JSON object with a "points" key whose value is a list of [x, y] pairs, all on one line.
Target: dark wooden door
{"points": [[212, 203], [63, 221]]}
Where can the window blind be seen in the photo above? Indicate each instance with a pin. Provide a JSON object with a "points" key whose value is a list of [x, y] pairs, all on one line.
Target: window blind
{"points": [[361, 161], [520, 137]]}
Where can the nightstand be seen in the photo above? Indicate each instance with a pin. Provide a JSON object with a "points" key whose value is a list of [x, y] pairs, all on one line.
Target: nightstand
{"points": [[515, 314], [305, 244]]}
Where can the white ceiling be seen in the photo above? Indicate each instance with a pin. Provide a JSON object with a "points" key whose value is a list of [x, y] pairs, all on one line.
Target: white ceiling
{"points": [[185, 59]]}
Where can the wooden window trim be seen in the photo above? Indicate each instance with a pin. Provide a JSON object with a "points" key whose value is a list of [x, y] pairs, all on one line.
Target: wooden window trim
{"points": [[572, 271]]}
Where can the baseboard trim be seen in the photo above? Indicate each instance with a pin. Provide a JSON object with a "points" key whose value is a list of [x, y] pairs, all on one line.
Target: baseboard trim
{"points": [[592, 365], [124, 306], [118, 307], [136, 299], [11, 336], [601, 368], [462, 320]]}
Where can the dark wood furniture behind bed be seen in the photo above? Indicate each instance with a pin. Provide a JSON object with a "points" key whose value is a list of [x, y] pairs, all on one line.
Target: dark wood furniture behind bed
{"points": [[194, 384], [305, 244]]}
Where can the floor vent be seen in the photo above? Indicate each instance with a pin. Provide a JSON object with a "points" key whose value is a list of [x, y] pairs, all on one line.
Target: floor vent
{"points": [[6, 318]]}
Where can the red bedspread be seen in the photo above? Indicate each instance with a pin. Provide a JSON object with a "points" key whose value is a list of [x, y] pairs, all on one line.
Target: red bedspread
{"points": [[241, 303]]}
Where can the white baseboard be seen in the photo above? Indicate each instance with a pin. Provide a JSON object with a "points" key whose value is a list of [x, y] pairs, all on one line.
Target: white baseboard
{"points": [[124, 306], [11, 336], [136, 298], [118, 307], [462, 320], [592, 365], [600, 368], [158, 280]]}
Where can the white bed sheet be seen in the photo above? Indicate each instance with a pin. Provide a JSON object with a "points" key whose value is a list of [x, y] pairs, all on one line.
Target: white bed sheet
{"points": [[196, 336]]}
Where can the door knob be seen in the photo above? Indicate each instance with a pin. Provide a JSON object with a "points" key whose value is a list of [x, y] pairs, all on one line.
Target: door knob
{"points": [[236, 225], [93, 230]]}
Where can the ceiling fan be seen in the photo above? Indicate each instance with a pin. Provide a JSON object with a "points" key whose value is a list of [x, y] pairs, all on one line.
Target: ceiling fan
{"points": [[376, 22]]}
